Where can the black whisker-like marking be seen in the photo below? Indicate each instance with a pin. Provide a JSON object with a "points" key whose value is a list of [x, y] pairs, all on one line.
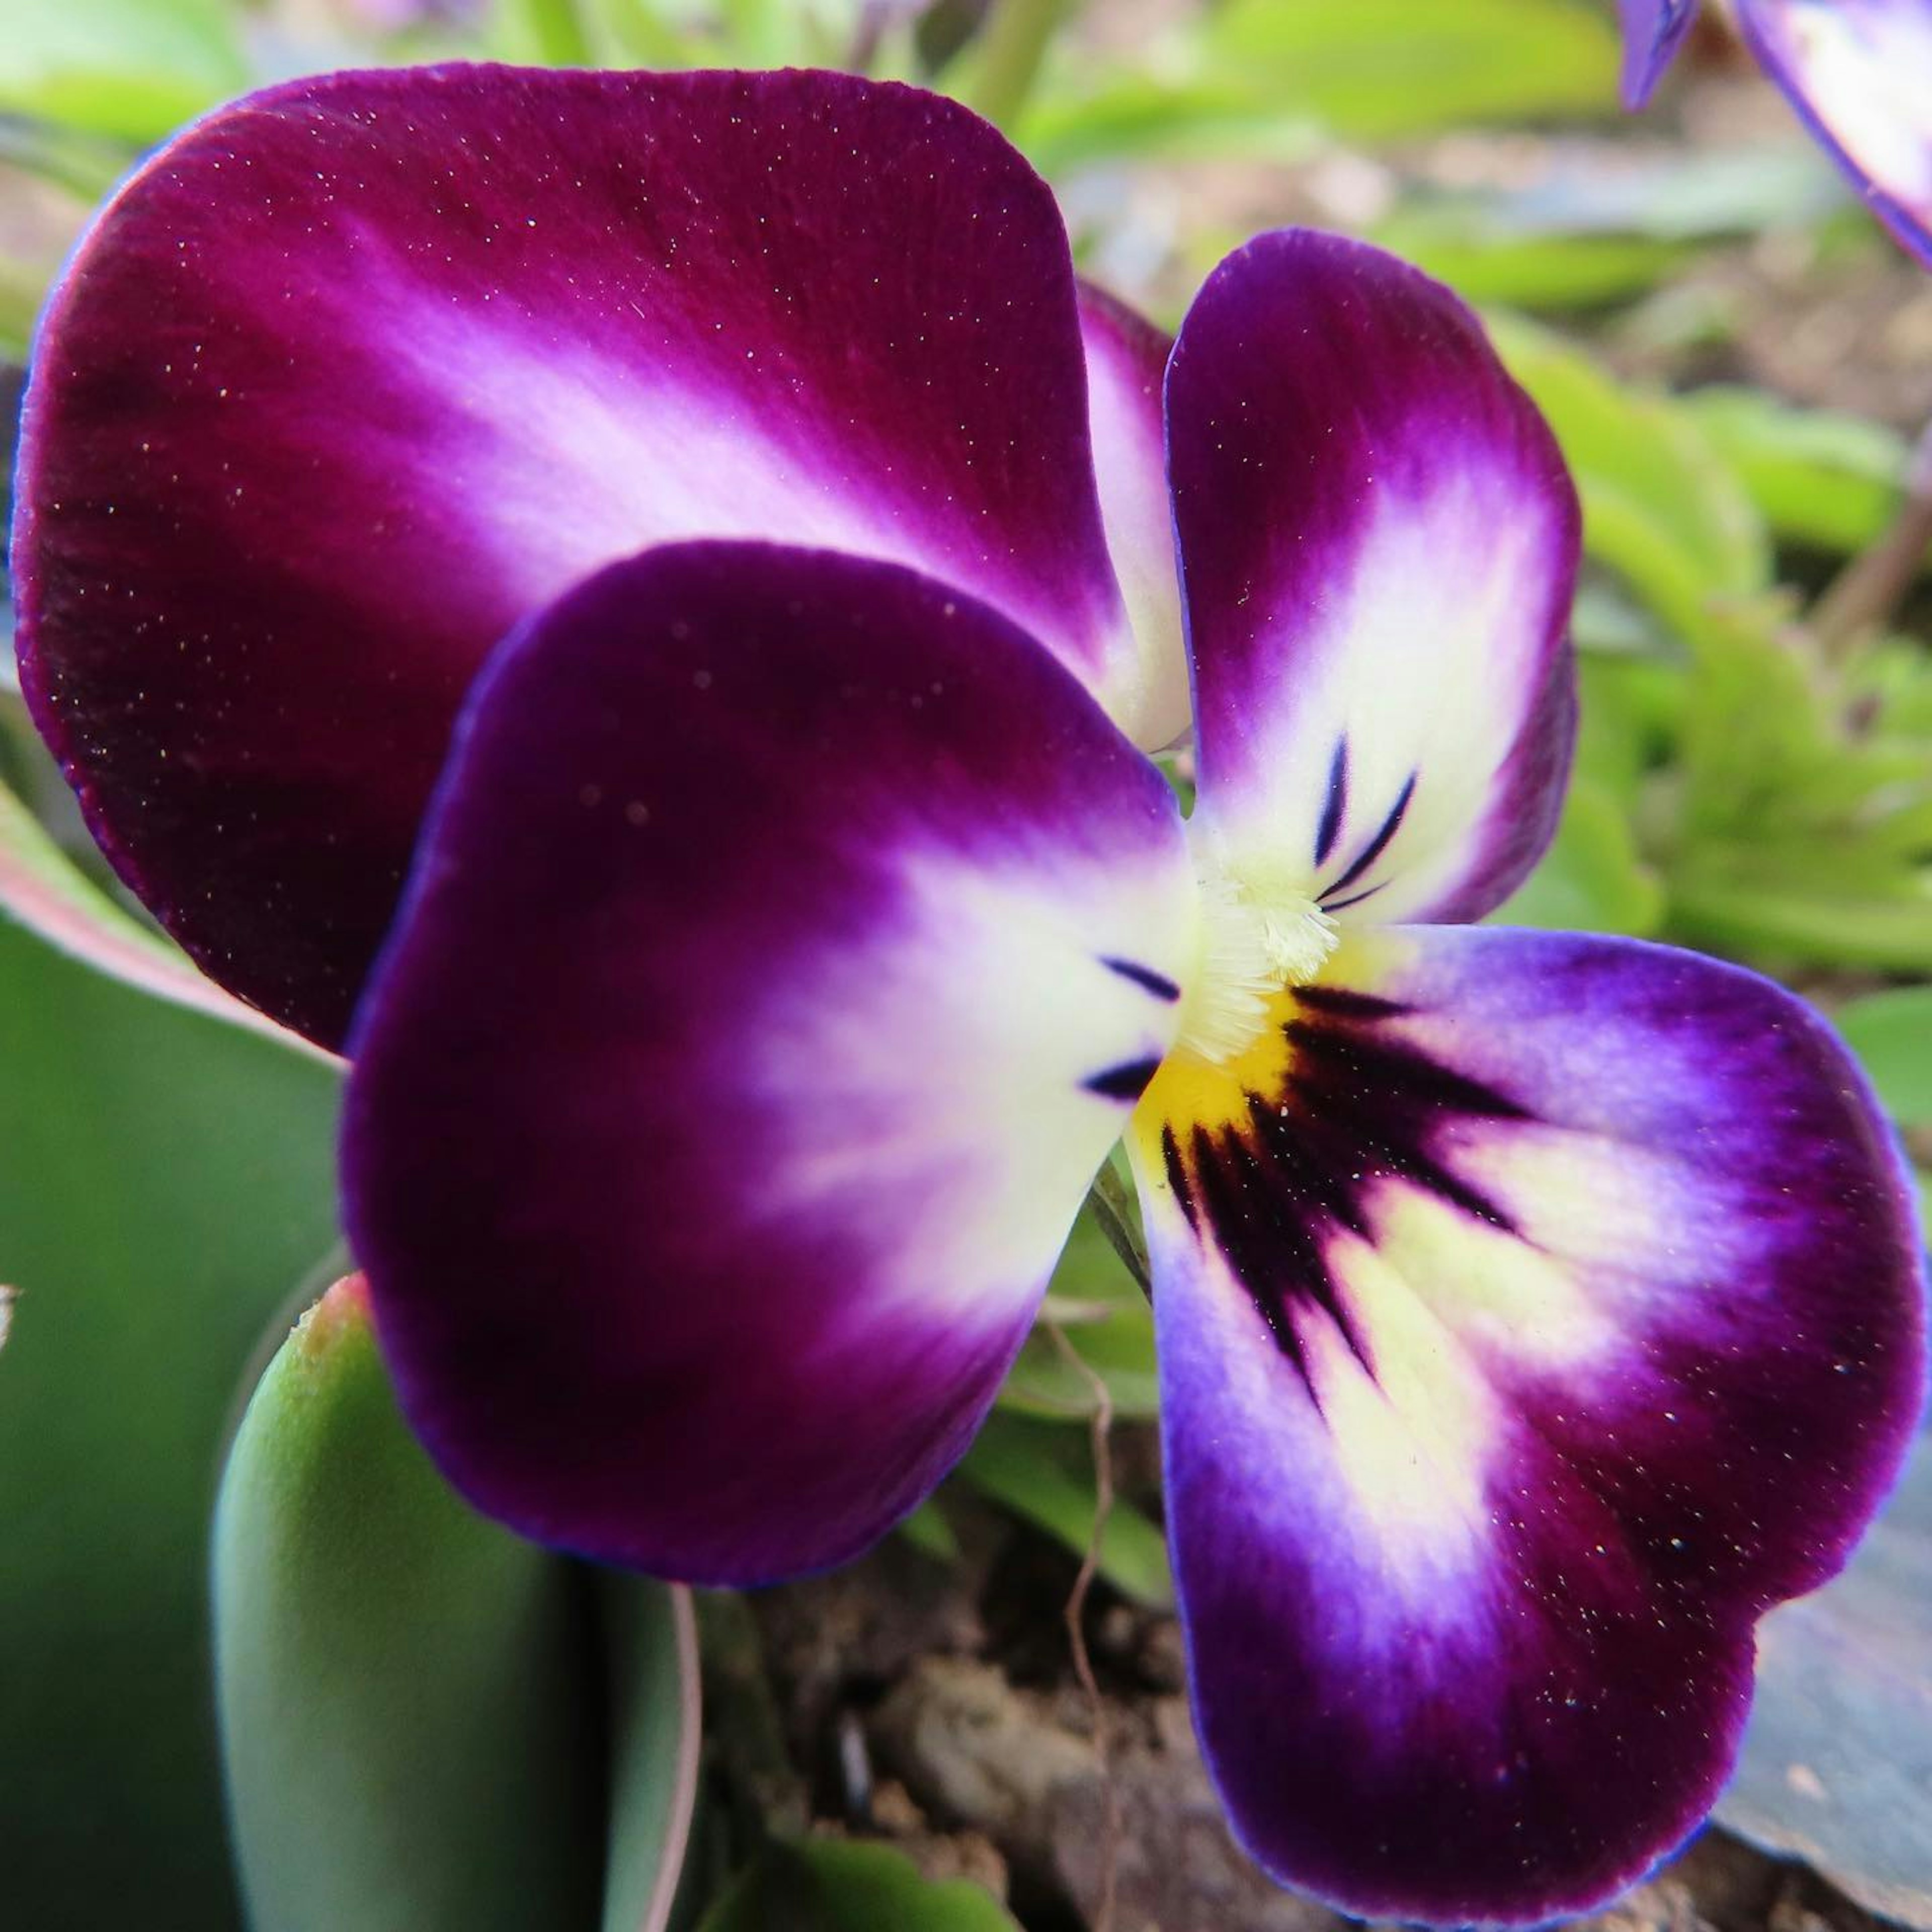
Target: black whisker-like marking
{"points": [[1263, 1249], [1354, 898], [1334, 805], [1145, 977], [1402, 1080], [1344, 1003], [1272, 1187], [1127, 1082], [1177, 1177], [1378, 845]]}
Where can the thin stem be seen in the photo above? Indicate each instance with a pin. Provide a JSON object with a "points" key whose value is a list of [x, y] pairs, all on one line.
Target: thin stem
{"points": [[1114, 1211], [1009, 56], [1076, 1632], [1870, 587]]}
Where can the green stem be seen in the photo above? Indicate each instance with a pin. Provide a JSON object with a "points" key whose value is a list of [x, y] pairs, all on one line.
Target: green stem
{"points": [[1010, 54]]}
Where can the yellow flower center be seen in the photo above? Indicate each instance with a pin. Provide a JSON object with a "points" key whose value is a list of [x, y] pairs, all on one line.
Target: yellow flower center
{"points": [[1261, 934]]}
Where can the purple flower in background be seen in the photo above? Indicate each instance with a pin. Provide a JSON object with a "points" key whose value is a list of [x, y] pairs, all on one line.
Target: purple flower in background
{"points": [[1859, 72], [698, 533], [391, 16]]}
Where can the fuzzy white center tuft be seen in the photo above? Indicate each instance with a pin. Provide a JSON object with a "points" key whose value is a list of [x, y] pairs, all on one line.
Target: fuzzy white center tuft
{"points": [[1262, 932]]}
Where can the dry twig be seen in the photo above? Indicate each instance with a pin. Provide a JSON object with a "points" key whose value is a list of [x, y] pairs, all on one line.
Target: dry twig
{"points": [[1076, 1607]]}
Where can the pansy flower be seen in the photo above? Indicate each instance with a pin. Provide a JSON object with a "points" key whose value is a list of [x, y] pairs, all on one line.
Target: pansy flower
{"points": [[642, 606], [1859, 72]]}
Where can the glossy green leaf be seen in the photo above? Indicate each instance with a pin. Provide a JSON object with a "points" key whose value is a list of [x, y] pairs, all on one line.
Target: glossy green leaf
{"points": [[1043, 1473], [1820, 477], [132, 69], [651, 1704], [426, 1721], [840, 1885], [1891, 1034], [167, 1182], [401, 1683]]}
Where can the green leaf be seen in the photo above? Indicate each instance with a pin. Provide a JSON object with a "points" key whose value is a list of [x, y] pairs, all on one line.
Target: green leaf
{"points": [[839, 1885], [1891, 1034], [167, 1181], [1119, 1349], [1661, 506], [402, 1685], [1716, 906], [1485, 264], [928, 1530], [1028, 1466], [548, 33], [1378, 70], [1113, 1332], [134, 70], [44, 890], [1820, 477], [650, 1642], [1592, 879], [1247, 72]]}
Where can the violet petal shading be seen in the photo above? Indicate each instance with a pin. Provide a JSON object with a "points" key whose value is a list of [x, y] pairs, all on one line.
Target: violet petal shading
{"points": [[1126, 370], [791, 938], [358, 372], [1379, 545], [1653, 31], [1859, 74], [1533, 1313]]}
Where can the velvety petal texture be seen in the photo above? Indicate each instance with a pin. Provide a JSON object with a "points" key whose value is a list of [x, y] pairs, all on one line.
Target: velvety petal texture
{"points": [[790, 939], [1378, 544], [357, 372], [1859, 72], [1533, 1313], [1653, 31]]}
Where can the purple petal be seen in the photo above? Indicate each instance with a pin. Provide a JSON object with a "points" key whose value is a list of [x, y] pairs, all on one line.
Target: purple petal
{"points": [[1534, 1311], [1653, 31], [790, 938], [1378, 544], [358, 372], [1859, 72], [1126, 368]]}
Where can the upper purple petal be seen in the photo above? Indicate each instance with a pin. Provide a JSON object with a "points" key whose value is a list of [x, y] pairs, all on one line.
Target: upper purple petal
{"points": [[1859, 72], [358, 372], [1378, 548], [789, 940], [1536, 1313], [1653, 31]]}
